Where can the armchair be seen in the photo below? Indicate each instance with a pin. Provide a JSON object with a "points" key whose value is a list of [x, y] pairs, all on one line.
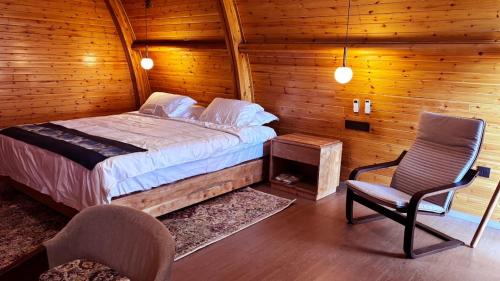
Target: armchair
{"points": [[426, 178]]}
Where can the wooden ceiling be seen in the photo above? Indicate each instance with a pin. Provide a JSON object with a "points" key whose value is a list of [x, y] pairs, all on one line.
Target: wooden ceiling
{"points": [[371, 20], [176, 19]]}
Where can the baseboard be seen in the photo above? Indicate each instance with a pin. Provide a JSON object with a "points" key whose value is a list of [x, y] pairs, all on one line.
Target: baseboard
{"points": [[472, 218]]}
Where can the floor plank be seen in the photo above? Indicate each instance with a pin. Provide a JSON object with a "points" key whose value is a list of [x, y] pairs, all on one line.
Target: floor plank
{"points": [[312, 241]]}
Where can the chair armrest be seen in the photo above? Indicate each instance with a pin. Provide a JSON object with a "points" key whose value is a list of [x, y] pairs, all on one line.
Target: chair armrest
{"points": [[464, 182], [356, 172]]}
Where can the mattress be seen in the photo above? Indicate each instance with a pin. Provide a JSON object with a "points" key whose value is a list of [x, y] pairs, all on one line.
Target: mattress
{"points": [[176, 149]]}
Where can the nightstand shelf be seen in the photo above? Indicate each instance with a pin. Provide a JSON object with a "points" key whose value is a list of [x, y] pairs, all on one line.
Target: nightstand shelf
{"points": [[315, 160]]}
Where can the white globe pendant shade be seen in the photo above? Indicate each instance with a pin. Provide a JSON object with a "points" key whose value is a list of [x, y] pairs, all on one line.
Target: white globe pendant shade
{"points": [[147, 63], [343, 74]]}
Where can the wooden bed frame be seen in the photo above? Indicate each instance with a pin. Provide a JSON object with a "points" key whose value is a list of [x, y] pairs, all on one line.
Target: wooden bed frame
{"points": [[183, 193], [177, 195]]}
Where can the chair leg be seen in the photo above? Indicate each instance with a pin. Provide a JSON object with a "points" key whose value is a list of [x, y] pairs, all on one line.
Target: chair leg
{"points": [[349, 209], [409, 236], [349, 206]]}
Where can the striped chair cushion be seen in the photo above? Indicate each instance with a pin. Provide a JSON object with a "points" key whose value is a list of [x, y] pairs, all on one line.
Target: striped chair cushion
{"points": [[445, 149]]}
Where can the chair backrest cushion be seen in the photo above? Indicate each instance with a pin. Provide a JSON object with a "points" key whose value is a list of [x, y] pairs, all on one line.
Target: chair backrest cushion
{"points": [[127, 240], [445, 149]]}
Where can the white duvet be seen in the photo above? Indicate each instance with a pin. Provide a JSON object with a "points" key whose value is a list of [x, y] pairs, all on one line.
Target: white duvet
{"points": [[169, 142]]}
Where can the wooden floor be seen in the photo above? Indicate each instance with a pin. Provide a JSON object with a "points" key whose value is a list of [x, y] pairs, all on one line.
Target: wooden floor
{"points": [[311, 241]]}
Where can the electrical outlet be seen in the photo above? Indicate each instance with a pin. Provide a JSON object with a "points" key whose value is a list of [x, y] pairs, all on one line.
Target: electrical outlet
{"points": [[357, 125], [483, 171]]}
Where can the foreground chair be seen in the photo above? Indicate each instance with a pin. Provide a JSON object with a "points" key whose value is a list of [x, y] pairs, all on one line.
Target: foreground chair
{"points": [[438, 163], [113, 242]]}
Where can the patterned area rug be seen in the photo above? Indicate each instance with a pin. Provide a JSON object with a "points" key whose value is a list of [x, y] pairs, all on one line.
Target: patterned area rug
{"points": [[198, 226], [24, 225]]}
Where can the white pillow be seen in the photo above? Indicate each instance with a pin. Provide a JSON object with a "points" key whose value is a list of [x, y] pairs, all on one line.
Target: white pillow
{"points": [[166, 105], [193, 112], [262, 118], [234, 113]]}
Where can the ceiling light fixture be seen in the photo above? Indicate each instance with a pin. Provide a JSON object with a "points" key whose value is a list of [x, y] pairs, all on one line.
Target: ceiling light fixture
{"points": [[343, 74], [146, 62]]}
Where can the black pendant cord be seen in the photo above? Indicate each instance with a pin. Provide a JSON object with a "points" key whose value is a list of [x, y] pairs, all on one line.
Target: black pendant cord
{"points": [[346, 41], [147, 5]]}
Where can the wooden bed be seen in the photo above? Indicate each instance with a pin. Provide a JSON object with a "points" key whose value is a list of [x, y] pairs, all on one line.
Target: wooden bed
{"points": [[177, 195]]}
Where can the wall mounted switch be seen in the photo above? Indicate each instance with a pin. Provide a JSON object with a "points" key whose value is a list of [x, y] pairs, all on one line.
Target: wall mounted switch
{"points": [[368, 106], [355, 105]]}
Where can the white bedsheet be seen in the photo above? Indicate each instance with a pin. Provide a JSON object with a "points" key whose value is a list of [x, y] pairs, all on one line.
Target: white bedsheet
{"points": [[169, 143]]}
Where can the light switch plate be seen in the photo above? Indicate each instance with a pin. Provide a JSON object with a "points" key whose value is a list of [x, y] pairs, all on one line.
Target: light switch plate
{"points": [[368, 106], [355, 105]]}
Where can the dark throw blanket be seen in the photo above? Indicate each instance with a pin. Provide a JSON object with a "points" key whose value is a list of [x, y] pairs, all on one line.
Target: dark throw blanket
{"points": [[85, 149]]}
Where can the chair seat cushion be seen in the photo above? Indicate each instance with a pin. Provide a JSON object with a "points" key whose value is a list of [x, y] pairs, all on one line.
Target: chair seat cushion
{"points": [[389, 196], [80, 270]]}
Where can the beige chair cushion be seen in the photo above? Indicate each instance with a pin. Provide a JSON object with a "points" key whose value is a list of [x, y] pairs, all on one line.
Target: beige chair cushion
{"points": [[82, 270], [389, 197]]}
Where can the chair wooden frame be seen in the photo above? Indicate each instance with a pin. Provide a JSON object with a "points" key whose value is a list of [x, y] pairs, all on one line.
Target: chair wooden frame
{"points": [[410, 220]]}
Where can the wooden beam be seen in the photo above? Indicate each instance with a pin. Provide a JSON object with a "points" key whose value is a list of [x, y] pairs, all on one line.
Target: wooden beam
{"points": [[124, 28], [158, 45], [234, 37], [323, 47]]}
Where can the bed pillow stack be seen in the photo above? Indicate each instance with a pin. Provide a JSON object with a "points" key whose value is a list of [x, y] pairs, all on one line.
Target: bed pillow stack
{"points": [[167, 105], [236, 113], [228, 112]]}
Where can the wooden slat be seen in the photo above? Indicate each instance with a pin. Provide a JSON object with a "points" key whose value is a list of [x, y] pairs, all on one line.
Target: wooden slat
{"points": [[402, 20], [60, 60], [180, 20]]}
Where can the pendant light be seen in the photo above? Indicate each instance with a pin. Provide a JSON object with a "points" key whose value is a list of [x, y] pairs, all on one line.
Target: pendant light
{"points": [[343, 74], [146, 62]]}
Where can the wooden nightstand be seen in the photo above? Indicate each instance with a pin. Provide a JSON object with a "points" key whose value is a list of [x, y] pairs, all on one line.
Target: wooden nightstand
{"points": [[315, 160]]}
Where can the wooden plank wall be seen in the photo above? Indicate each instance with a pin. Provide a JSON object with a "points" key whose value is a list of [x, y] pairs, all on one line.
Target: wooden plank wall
{"points": [[402, 74], [60, 59], [200, 73]]}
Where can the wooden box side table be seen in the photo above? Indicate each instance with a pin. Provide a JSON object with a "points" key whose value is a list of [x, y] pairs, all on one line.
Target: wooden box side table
{"points": [[315, 159]]}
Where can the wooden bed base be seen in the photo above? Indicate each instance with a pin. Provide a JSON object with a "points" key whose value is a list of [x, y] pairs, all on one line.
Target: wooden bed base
{"points": [[183, 193], [177, 195]]}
